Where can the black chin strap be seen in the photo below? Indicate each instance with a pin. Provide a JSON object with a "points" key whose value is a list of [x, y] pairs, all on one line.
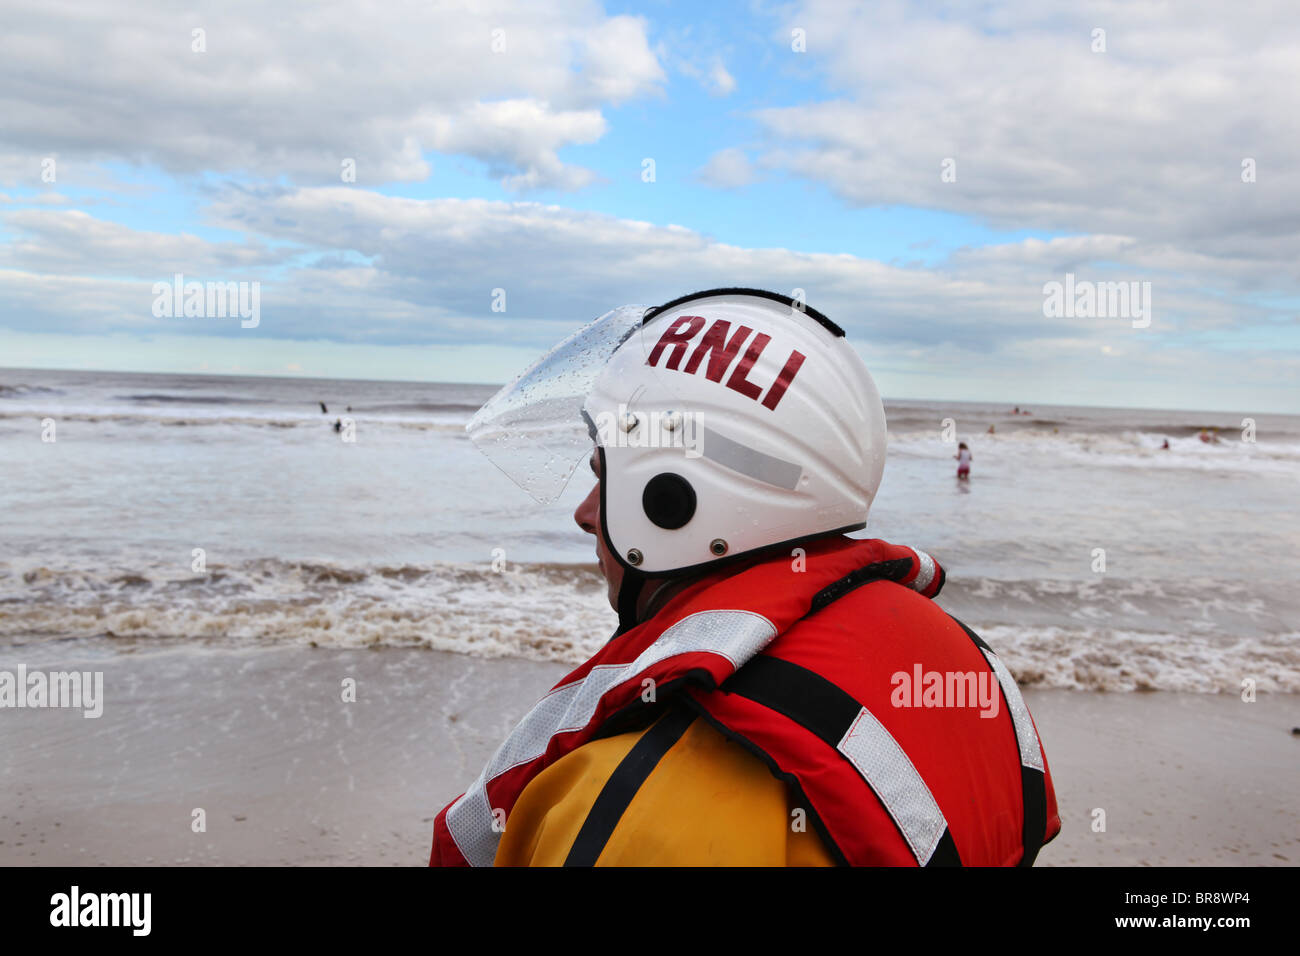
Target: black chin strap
{"points": [[629, 592]]}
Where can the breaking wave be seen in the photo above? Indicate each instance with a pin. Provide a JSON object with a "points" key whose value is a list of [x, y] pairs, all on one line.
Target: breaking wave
{"points": [[1060, 634]]}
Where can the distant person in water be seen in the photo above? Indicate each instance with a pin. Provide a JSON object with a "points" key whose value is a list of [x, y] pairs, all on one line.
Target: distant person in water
{"points": [[963, 461], [1165, 446], [338, 424], [323, 409], [990, 429], [1016, 410]]}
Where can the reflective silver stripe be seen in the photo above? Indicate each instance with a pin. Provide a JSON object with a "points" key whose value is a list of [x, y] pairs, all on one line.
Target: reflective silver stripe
{"points": [[470, 818], [470, 823], [734, 635], [890, 773], [926, 575], [750, 461], [1030, 754]]}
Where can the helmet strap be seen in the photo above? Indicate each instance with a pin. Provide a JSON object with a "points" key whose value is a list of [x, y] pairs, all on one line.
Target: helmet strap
{"points": [[629, 593]]}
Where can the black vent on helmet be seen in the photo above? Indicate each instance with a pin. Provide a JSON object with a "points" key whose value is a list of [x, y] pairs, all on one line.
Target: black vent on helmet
{"points": [[668, 501], [807, 310]]}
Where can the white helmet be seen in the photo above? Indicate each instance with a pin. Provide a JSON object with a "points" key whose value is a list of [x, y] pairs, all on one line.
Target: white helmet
{"points": [[728, 421]]}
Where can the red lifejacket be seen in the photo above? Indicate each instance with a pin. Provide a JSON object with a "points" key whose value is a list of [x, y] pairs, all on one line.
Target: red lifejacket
{"points": [[826, 669]]}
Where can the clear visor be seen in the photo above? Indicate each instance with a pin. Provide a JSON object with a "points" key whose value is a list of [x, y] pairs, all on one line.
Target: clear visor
{"points": [[533, 429]]}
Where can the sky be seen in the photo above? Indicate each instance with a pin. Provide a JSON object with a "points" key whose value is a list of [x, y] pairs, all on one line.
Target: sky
{"points": [[442, 191]]}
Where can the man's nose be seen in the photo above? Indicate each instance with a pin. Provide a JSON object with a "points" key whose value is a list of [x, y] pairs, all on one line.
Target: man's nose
{"points": [[587, 514]]}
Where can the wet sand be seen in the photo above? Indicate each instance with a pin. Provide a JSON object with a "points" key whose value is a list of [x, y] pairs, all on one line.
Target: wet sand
{"points": [[287, 773]]}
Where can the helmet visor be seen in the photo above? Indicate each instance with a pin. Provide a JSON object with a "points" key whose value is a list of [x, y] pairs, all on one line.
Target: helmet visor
{"points": [[533, 429]]}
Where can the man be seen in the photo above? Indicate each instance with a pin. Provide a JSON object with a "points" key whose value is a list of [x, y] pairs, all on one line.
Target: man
{"points": [[777, 693]]}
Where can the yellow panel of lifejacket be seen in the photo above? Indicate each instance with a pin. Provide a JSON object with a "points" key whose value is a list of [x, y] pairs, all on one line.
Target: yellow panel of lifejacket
{"points": [[707, 802]]}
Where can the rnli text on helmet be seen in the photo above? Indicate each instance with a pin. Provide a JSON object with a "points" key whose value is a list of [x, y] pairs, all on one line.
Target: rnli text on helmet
{"points": [[684, 328]]}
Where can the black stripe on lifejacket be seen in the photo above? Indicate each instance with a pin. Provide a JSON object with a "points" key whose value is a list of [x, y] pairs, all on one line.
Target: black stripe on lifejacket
{"points": [[819, 706], [1034, 787], [800, 796], [894, 570], [806, 698], [945, 853], [623, 785], [638, 714], [1033, 783]]}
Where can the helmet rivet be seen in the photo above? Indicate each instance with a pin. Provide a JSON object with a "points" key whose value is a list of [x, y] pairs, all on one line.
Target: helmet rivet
{"points": [[628, 422], [635, 557], [718, 546]]}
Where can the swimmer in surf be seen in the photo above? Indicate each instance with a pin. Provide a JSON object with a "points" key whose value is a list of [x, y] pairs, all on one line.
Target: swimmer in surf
{"points": [[963, 462]]}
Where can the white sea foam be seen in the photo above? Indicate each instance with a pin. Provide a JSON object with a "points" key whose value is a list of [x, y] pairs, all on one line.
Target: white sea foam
{"points": [[557, 612], [1113, 660], [546, 612]]}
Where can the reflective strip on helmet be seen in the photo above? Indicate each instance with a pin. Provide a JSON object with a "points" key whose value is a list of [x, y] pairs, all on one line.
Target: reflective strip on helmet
{"points": [[890, 773], [1030, 754], [734, 635], [749, 461]]}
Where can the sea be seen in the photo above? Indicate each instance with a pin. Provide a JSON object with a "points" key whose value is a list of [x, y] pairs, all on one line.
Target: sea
{"points": [[140, 512]]}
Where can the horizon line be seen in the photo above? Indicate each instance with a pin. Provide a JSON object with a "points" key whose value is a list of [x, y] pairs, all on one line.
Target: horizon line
{"points": [[407, 381]]}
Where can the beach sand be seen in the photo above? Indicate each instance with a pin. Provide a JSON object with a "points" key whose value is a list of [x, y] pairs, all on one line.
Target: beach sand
{"points": [[288, 773]]}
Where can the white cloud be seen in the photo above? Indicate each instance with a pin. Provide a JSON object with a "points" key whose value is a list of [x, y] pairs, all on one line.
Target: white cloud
{"points": [[727, 169], [294, 94], [72, 242], [699, 54], [1146, 139], [721, 82], [425, 269], [344, 265], [617, 62]]}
